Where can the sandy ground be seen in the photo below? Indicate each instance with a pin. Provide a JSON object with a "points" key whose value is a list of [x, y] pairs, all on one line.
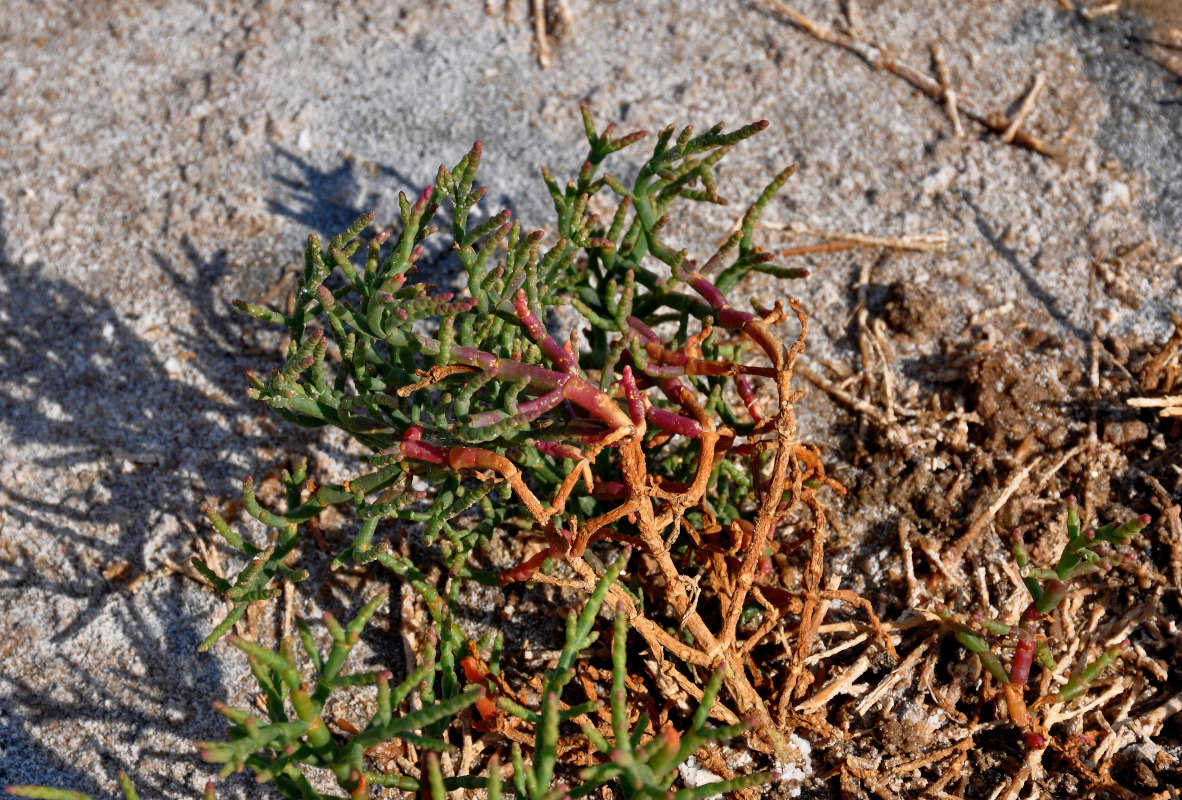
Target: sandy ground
{"points": [[159, 159]]}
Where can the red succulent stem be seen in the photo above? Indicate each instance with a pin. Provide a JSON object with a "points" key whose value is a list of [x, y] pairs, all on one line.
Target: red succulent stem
{"points": [[632, 393], [643, 330], [414, 447], [674, 423], [574, 388], [537, 331], [529, 410], [748, 396], [525, 569], [558, 449], [1023, 657]]}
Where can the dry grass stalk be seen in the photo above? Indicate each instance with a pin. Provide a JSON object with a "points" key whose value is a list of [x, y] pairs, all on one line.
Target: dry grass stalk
{"points": [[1162, 368], [945, 77], [917, 242], [540, 36], [901, 672], [863, 770], [969, 540], [845, 398], [1172, 517], [842, 684], [908, 562], [1170, 405], [877, 58], [939, 755], [1095, 12], [566, 17], [853, 18], [1024, 109]]}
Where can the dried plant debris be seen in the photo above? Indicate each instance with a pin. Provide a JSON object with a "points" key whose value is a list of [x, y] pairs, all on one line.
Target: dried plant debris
{"points": [[621, 563]]}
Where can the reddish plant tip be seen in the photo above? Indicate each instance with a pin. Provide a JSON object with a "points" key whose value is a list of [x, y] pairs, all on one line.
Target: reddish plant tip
{"points": [[763, 123], [1071, 499], [1126, 644], [1018, 536], [1144, 519], [1035, 741], [1031, 614]]}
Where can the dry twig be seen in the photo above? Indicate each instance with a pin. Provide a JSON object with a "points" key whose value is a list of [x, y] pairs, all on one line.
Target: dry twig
{"points": [[1023, 110], [968, 540], [946, 86], [543, 41], [1170, 405], [878, 59], [916, 242], [1095, 12]]}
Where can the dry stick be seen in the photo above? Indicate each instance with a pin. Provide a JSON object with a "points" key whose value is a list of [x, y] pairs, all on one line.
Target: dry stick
{"points": [[958, 550], [914, 242], [867, 775], [826, 247], [878, 332], [946, 86], [862, 313], [1016, 784], [908, 562], [1151, 372], [1024, 109], [832, 651], [842, 396], [839, 685], [1094, 342], [923, 761], [928, 548], [1173, 516], [1100, 11], [1156, 402], [874, 56], [565, 15], [949, 775], [539, 7], [900, 672], [1058, 465]]}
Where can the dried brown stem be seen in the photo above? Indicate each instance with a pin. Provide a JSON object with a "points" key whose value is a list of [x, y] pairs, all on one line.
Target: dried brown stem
{"points": [[877, 58]]}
